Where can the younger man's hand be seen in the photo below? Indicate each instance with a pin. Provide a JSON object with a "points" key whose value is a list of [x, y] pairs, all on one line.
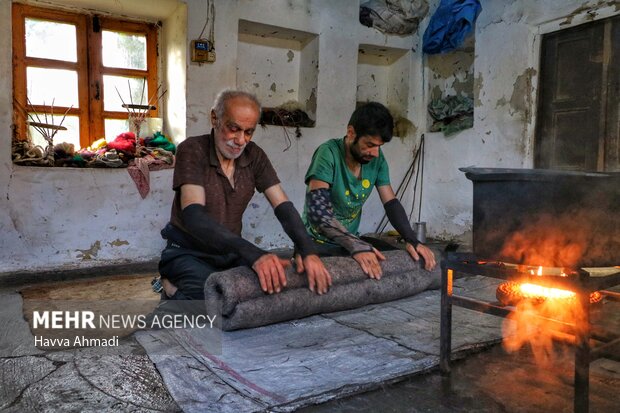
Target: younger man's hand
{"points": [[319, 279], [369, 261], [425, 252], [270, 271]]}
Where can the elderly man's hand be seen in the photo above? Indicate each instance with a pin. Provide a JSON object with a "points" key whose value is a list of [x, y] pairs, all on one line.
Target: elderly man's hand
{"points": [[270, 271], [425, 252], [319, 279], [369, 261]]}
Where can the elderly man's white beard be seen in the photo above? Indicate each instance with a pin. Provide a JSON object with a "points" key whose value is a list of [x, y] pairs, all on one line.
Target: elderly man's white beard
{"points": [[233, 145]]}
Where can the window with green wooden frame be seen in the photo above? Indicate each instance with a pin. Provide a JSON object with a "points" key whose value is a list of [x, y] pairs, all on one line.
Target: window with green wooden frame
{"points": [[80, 67]]}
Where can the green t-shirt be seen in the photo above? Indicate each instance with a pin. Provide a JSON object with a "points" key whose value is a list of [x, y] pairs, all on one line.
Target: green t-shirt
{"points": [[348, 193]]}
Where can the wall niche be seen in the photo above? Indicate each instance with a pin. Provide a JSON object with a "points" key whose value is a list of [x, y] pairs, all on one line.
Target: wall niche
{"points": [[383, 76], [280, 65]]}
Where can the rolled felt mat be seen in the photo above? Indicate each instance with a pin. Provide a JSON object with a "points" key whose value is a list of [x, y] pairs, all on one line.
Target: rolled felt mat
{"points": [[237, 296]]}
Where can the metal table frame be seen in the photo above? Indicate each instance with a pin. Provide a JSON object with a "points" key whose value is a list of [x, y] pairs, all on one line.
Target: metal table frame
{"points": [[578, 280]]}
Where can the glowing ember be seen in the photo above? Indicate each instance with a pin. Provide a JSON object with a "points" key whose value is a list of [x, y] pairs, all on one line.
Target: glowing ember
{"points": [[532, 291], [510, 293]]}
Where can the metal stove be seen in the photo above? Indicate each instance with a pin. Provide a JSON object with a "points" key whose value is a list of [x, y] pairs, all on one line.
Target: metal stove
{"points": [[531, 204]]}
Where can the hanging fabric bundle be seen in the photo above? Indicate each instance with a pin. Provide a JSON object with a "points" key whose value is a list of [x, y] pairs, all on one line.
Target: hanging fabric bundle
{"points": [[451, 23], [393, 16]]}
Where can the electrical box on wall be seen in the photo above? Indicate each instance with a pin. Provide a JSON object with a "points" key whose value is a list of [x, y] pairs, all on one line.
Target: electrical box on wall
{"points": [[202, 51]]}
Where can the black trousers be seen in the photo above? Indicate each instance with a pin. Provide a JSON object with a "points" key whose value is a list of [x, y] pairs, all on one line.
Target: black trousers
{"points": [[187, 267]]}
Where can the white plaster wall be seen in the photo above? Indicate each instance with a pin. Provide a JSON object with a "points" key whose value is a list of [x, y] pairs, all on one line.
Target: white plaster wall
{"points": [[65, 217], [54, 218], [507, 38], [9, 237], [174, 50], [340, 36], [372, 80], [258, 62]]}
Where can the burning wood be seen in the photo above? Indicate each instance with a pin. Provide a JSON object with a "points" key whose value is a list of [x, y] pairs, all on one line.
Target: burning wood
{"points": [[511, 293]]}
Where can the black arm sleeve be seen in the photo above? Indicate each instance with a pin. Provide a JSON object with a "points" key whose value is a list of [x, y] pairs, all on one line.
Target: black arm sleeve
{"points": [[217, 237], [321, 216], [398, 218], [294, 228]]}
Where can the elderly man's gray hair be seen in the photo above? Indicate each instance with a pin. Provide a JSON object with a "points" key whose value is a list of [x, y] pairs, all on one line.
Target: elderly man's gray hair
{"points": [[219, 106]]}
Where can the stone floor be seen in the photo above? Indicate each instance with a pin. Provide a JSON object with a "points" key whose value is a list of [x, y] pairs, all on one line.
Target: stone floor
{"points": [[83, 380]]}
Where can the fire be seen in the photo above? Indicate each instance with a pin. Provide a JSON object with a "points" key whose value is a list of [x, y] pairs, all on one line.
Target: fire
{"points": [[536, 308], [511, 293], [532, 290]]}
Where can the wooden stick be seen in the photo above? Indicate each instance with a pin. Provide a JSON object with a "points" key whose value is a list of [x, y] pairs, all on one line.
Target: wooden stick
{"points": [[142, 107], [53, 100], [50, 126], [130, 95], [142, 94], [120, 97], [62, 120], [35, 113]]}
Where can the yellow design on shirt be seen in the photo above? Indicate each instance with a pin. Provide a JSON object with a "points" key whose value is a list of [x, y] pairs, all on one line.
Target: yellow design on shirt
{"points": [[366, 183], [346, 193]]}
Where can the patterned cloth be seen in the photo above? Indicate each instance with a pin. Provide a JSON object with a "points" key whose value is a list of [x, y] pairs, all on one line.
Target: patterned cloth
{"points": [[139, 168], [321, 217]]}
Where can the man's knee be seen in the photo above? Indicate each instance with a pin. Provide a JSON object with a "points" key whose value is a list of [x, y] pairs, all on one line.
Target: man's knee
{"points": [[188, 274]]}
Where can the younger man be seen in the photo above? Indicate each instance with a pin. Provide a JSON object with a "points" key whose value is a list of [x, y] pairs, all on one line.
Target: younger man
{"points": [[340, 180]]}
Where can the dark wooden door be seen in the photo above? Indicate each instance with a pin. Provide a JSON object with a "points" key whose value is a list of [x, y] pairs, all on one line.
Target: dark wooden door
{"points": [[578, 98], [612, 130]]}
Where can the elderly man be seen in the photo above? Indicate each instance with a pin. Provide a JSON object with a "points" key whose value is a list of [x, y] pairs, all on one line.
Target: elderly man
{"points": [[215, 177], [340, 179]]}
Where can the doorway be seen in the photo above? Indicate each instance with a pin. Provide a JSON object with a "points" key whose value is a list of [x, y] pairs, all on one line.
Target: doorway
{"points": [[579, 98]]}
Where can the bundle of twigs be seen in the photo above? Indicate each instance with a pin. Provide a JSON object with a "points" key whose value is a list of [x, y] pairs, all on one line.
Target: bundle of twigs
{"points": [[138, 112], [45, 128]]}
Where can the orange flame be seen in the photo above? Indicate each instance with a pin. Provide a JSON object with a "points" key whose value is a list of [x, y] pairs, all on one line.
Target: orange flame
{"points": [[534, 291], [530, 325], [537, 307]]}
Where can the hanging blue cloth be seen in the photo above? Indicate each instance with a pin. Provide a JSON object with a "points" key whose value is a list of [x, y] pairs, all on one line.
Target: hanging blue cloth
{"points": [[451, 23]]}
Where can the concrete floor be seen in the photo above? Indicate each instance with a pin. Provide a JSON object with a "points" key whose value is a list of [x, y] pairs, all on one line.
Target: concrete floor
{"points": [[489, 381]]}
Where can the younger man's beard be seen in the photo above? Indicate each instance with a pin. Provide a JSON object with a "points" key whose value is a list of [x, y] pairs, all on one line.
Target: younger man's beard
{"points": [[357, 154]]}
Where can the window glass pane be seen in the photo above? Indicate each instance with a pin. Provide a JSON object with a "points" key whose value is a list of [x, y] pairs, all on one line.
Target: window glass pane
{"points": [[51, 40], [125, 50], [114, 127], [47, 85], [71, 135], [112, 84]]}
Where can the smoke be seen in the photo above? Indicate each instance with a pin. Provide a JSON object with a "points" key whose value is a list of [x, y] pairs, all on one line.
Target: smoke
{"points": [[541, 242], [572, 239], [548, 218]]}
